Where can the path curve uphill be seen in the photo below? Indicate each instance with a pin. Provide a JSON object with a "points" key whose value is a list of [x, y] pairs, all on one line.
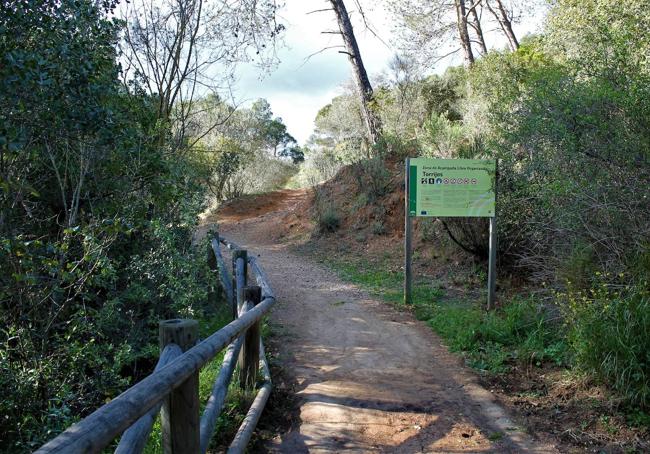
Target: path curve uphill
{"points": [[368, 377]]}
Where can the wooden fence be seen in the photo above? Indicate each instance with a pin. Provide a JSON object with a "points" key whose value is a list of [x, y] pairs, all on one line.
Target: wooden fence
{"points": [[173, 388]]}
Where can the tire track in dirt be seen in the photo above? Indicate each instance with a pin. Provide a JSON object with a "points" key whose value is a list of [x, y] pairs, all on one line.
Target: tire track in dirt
{"points": [[368, 378]]}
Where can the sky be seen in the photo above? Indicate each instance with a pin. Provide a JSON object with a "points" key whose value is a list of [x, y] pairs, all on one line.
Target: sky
{"points": [[301, 85]]}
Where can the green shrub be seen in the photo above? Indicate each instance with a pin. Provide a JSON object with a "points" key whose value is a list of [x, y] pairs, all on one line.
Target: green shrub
{"points": [[378, 228], [329, 220], [373, 178], [610, 334], [326, 214]]}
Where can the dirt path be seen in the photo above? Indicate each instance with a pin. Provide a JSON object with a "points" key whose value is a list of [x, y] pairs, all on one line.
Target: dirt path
{"points": [[369, 378]]}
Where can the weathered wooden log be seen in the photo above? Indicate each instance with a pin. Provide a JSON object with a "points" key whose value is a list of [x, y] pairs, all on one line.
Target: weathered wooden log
{"points": [[240, 272], [226, 280], [247, 427], [260, 277], [179, 418], [249, 357], [97, 430], [135, 437], [218, 395]]}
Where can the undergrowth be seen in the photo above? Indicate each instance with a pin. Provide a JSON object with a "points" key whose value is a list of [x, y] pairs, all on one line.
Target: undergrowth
{"points": [[609, 335]]}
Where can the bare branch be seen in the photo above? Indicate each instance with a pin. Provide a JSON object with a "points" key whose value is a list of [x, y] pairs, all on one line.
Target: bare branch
{"points": [[320, 10], [308, 57], [367, 24]]}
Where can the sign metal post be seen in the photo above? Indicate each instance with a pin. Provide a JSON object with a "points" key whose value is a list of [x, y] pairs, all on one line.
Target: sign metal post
{"points": [[492, 263], [407, 235]]}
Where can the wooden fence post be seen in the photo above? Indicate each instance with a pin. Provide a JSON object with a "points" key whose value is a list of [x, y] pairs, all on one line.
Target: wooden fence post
{"points": [[233, 303], [239, 273], [180, 411], [212, 265], [249, 356]]}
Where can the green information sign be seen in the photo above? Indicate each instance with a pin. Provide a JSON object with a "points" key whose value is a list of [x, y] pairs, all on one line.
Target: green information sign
{"points": [[452, 187]]}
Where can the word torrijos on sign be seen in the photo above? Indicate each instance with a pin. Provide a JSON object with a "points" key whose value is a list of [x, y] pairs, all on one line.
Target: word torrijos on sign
{"points": [[452, 187]]}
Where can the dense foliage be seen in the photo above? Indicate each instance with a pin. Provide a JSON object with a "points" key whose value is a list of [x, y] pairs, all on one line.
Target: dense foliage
{"points": [[97, 211], [100, 192], [568, 116]]}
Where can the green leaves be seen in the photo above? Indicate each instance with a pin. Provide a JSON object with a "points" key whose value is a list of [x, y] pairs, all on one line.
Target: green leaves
{"points": [[95, 220]]}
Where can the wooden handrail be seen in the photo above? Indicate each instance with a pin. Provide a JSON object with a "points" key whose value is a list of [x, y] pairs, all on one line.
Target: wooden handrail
{"points": [[226, 280], [96, 431], [260, 275], [261, 278], [218, 396], [135, 410], [247, 427]]}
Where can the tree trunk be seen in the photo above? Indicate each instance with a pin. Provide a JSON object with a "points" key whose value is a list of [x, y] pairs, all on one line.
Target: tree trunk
{"points": [[501, 16], [463, 34], [372, 121], [476, 25]]}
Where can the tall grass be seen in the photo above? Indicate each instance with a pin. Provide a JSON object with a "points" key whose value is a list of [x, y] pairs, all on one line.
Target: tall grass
{"points": [[522, 331], [609, 332]]}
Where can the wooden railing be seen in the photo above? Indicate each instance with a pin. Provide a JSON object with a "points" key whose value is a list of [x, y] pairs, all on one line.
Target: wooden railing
{"points": [[172, 389]]}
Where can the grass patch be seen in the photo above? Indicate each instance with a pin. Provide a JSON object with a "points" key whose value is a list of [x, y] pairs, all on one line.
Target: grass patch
{"points": [[495, 436], [521, 331], [385, 283]]}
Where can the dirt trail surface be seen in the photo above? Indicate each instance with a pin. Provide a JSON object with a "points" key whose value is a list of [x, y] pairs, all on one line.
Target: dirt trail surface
{"points": [[368, 378]]}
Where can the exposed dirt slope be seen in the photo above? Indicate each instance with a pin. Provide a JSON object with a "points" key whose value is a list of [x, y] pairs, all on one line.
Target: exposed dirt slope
{"points": [[368, 378]]}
